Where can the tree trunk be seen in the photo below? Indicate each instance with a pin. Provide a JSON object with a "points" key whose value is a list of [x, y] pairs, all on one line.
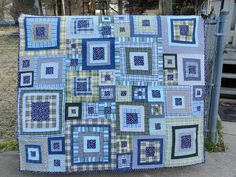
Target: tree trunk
{"points": [[120, 7], [59, 7], [40, 7], [69, 7]]}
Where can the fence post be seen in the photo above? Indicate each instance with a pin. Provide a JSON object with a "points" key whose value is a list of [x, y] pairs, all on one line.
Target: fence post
{"points": [[215, 95]]}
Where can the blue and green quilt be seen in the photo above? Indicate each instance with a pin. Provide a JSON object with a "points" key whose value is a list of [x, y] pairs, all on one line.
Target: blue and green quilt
{"points": [[116, 93]]}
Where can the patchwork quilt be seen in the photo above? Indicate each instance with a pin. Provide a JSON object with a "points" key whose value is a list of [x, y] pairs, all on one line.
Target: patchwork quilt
{"points": [[113, 93]]}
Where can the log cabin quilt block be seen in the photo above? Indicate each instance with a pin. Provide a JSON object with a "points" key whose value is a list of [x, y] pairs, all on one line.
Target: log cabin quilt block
{"points": [[110, 93]]}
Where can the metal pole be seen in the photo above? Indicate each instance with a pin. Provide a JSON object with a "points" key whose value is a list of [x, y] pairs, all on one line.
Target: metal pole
{"points": [[218, 73]]}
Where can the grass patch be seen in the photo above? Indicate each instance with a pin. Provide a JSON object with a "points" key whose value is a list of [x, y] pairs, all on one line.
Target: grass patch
{"points": [[8, 145], [8, 28], [220, 146]]}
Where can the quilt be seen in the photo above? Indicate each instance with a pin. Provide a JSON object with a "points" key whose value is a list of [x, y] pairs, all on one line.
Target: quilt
{"points": [[115, 93]]}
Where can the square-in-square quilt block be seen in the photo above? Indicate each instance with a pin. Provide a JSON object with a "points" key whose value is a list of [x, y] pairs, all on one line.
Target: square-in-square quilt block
{"points": [[82, 27], [90, 144], [183, 31], [73, 111], [82, 86], [123, 93], [170, 77], [26, 79], [34, 154], [26, 64], [156, 94], [178, 101], [98, 54], [139, 62], [50, 71], [145, 26], [148, 152], [40, 112], [132, 118], [185, 141], [169, 61], [191, 69], [107, 77], [42, 33]]}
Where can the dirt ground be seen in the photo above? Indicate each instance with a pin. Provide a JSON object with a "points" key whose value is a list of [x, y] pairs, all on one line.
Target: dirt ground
{"points": [[8, 82]]}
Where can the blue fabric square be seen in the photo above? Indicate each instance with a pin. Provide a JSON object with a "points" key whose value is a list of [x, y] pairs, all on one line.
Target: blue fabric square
{"points": [[170, 77], [106, 30], [131, 118], [157, 126], [56, 145], [184, 29], [33, 154], [98, 53], [57, 163], [83, 23], [156, 94], [122, 29], [26, 63], [146, 22], [150, 151], [192, 69], [123, 144], [40, 111], [178, 101], [42, 33], [138, 60], [107, 110], [123, 93], [186, 141], [91, 144], [73, 62], [26, 79], [49, 70]]}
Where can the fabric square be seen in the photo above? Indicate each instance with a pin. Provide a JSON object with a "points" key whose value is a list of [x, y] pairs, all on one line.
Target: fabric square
{"points": [[73, 111], [156, 109], [56, 145], [90, 110], [183, 31], [26, 79], [185, 141], [139, 61], [49, 71], [132, 118], [40, 112], [98, 54], [178, 101], [42, 33], [82, 86], [198, 92], [156, 94], [106, 77], [139, 93], [123, 93], [122, 30], [191, 69], [57, 163], [33, 154], [170, 77], [169, 61], [123, 144], [148, 152], [95, 141], [82, 27], [157, 126], [145, 26], [106, 30], [107, 93], [124, 161]]}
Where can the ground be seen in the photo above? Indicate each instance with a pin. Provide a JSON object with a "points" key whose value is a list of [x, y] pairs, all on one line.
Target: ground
{"points": [[8, 82]]}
